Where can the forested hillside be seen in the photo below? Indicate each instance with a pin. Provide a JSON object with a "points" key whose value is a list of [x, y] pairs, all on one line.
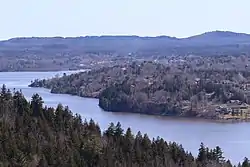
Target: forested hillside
{"points": [[58, 53], [184, 89], [33, 135]]}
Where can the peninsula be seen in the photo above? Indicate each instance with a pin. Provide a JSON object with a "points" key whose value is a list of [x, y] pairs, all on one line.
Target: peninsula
{"points": [[191, 86]]}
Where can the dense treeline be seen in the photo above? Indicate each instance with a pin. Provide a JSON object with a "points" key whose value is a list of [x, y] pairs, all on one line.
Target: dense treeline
{"points": [[33, 135], [152, 88]]}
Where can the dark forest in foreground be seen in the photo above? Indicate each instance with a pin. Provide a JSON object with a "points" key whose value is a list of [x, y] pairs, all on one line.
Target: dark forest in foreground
{"points": [[33, 135]]}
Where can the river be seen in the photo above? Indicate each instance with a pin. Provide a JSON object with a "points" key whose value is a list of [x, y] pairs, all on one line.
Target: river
{"points": [[233, 138]]}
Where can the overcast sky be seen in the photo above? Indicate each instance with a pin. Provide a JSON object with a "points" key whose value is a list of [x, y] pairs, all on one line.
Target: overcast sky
{"points": [[178, 18]]}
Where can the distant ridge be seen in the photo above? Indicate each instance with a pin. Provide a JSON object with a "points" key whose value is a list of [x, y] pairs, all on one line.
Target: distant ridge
{"points": [[91, 37], [218, 33], [208, 38], [210, 34], [208, 43]]}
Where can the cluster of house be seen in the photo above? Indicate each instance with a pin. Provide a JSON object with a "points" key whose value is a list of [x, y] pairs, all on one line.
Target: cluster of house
{"points": [[234, 109]]}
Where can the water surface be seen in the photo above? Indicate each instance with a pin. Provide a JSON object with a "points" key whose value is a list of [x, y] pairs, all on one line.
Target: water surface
{"points": [[233, 138]]}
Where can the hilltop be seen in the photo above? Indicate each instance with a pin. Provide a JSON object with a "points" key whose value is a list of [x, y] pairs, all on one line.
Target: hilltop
{"points": [[219, 38]]}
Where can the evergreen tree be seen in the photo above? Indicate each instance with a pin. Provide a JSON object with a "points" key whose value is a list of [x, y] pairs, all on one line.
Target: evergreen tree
{"points": [[219, 154], [36, 105], [245, 163], [202, 155], [34, 135], [118, 130], [3, 90]]}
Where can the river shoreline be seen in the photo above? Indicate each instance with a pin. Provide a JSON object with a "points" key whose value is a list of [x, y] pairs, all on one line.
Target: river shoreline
{"points": [[190, 132], [200, 119]]}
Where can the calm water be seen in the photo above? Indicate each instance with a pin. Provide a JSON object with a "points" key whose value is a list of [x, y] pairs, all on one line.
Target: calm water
{"points": [[233, 138]]}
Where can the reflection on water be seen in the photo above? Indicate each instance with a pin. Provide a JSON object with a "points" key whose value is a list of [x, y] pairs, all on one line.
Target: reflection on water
{"points": [[233, 138]]}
